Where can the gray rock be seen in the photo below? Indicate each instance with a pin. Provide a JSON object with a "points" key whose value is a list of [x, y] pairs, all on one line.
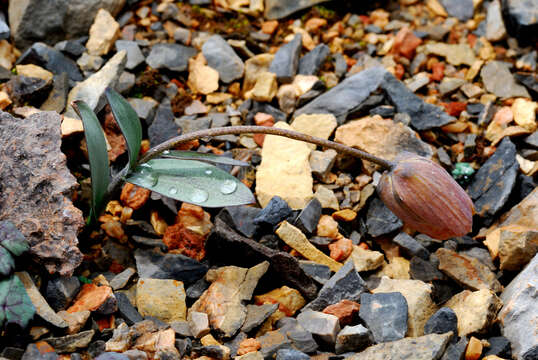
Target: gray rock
{"points": [[495, 29], [50, 59], [418, 81], [241, 218], [126, 82], [321, 162], [494, 181], [323, 326], [518, 315], [92, 90], [71, 343], [61, 291], [385, 314], [347, 96], [112, 356], [256, 315], [320, 273], [427, 347], [449, 85], [163, 126], [286, 60], [73, 47], [461, 9], [308, 218], [278, 9], [198, 324], [411, 246], [529, 80], [4, 28], [173, 57], [311, 62], [222, 57], [499, 346], [23, 89], [498, 80], [380, 220], [420, 269], [120, 280], [191, 123], [181, 328], [273, 341], [301, 339], [456, 350], [291, 354], [521, 17], [443, 321], [481, 254], [145, 108], [58, 95], [55, 20], [126, 310], [152, 264], [134, 54], [90, 63], [353, 338], [344, 284]]}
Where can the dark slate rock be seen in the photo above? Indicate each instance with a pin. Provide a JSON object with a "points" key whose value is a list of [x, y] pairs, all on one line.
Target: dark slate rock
{"points": [[286, 60], [530, 81], [420, 269], [96, 348], [274, 212], [301, 339], [233, 344], [163, 126], [482, 255], [112, 356], [308, 218], [241, 218], [385, 314], [268, 109], [532, 139], [225, 245], [499, 346], [173, 57], [184, 346], [126, 310], [58, 95], [410, 246], [474, 108], [526, 186], [443, 321], [311, 62], [494, 181], [256, 315], [424, 116], [222, 57], [61, 291], [521, 19], [5, 74], [353, 338], [50, 59], [32, 353], [73, 47], [197, 289], [278, 9], [4, 28], [155, 265], [344, 284], [380, 220], [12, 353], [212, 351], [346, 97], [69, 343], [340, 65], [531, 354], [456, 350], [461, 9], [291, 354], [134, 54], [320, 273], [385, 111], [23, 89]]}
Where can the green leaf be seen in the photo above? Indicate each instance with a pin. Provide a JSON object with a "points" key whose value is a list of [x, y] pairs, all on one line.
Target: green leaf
{"points": [[129, 123], [97, 152], [7, 263], [194, 155], [12, 239], [15, 305], [191, 181]]}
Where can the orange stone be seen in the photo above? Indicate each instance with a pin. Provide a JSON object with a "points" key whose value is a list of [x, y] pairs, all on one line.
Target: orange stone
{"points": [[248, 345], [314, 24], [178, 237], [454, 108], [134, 196], [341, 249], [269, 27], [438, 71], [474, 349], [406, 42], [43, 347], [90, 298], [343, 310], [344, 215]]}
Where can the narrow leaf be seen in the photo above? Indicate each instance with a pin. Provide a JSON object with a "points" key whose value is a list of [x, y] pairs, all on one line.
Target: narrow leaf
{"points": [[194, 155], [191, 181], [129, 123], [97, 153], [15, 304]]}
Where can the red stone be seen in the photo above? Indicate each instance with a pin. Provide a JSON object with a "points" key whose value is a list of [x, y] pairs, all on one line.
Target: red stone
{"points": [[343, 310], [438, 72], [454, 108], [341, 249], [399, 71], [406, 42]]}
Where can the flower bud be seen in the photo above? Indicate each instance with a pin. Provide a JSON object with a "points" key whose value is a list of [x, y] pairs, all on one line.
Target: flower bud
{"points": [[426, 198]]}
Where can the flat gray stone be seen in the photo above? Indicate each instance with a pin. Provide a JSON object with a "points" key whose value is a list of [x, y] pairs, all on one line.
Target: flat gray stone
{"points": [[353, 338], [498, 80], [173, 57], [286, 60], [134, 54], [222, 57], [323, 326], [278, 9], [257, 314], [385, 314]]}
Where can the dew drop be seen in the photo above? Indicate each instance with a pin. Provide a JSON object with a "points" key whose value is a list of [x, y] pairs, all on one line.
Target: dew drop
{"points": [[199, 196], [148, 179], [172, 190], [228, 187], [166, 152], [208, 172]]}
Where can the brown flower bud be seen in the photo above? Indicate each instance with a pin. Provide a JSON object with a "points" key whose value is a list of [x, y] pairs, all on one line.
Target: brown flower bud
{"points": [[426, 197]]}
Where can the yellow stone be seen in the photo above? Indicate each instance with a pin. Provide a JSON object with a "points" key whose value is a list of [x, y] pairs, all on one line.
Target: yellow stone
{"points": [[35, 71], [163, 299], [71, 126], [103, 33], [318, 125], [474, 70], [344, 215], [436, 7], [294, 238], [253, 68], [524, 111], [365, 260], [5, 101], [474, 349], [202, 78], [397, 268], [265, 88]]}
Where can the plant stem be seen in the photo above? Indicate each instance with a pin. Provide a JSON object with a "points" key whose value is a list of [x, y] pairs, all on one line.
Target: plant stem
{"points": [[237, 130]]}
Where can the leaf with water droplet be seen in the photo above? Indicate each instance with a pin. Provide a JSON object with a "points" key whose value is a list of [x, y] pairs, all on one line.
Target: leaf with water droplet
{"points": [[194, 155], [191, 181]]}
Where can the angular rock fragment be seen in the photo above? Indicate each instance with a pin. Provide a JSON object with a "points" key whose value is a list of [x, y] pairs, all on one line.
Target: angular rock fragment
{"points": [[162, 299], [222, 57], [353, 338], [286, 60], [325, 327], [385, 314]]}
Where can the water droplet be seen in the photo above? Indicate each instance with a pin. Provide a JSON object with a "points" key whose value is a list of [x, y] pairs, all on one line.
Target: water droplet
{"points": [[166, 152], [172, 190], [148, 179], [228, 187], [199, 196], [208, 172]]}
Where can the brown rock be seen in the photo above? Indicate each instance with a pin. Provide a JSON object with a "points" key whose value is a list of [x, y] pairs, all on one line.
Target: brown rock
{"points": [[517, 246], [474, 349], [344, 215], [90, 298], [37, 188], [381, 137], [75, 321], [467, 270], [134, 196], [343, 310]]}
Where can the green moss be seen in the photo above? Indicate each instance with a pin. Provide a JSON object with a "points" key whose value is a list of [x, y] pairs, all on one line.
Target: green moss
{"points": [[325, 13]]}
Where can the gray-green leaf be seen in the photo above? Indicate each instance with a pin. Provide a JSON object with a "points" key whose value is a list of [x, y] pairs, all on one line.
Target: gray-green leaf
{"points": [[97, 153], [7, 263], [12, 239], [129, 123], [191, 181], [194, 155], [15, 305]]}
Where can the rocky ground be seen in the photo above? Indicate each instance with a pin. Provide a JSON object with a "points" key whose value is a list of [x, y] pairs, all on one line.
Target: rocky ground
{"points": [[319, 268]]}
